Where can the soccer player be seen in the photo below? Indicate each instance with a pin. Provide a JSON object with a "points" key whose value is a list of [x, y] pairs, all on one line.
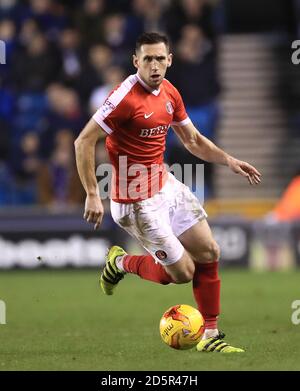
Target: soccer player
{"points": [[151, 204]]}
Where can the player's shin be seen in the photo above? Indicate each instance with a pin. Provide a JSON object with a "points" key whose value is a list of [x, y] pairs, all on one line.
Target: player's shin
{"points": [[206, 289], [145, 267]]}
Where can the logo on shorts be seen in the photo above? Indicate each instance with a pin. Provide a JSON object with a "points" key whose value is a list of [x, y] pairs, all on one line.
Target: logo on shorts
{"points": [[169, 107], [161, 254]]}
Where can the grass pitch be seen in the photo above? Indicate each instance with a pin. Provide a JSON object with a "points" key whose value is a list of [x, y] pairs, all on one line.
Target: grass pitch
{"points": [[60, 320]]}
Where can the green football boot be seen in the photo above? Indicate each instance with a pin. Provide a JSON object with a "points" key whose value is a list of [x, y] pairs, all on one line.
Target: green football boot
{"points": [[111, 274], [216, 344]]}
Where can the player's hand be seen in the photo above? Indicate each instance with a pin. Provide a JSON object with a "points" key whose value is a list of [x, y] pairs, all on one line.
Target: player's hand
{"points": [[245, 169], [93, 211]]}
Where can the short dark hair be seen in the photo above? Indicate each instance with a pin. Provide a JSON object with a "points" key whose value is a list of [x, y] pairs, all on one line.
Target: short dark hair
{"points": [[151, 38]]}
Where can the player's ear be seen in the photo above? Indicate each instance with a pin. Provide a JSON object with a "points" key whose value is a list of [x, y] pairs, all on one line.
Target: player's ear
{"points": [[170, 59], [135, 61]]}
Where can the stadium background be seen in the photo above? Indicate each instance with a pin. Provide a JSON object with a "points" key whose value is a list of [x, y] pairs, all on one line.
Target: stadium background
{"points": [[232, 64]]}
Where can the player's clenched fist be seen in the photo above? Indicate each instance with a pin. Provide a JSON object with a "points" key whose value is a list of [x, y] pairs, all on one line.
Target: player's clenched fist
{"points": [[93, 211]]}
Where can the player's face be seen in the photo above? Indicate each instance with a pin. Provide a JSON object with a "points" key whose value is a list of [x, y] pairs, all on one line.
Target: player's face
{"points": [[152, 62]]}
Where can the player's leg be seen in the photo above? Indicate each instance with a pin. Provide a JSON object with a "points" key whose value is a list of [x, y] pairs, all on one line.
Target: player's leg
{"points": [[167, 262], [203, 249], [118, 263], [190, 226], [147, 267], [199, 242]]}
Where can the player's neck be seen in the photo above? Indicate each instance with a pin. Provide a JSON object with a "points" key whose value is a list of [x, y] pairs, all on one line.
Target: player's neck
{"points": [[146, 86]]}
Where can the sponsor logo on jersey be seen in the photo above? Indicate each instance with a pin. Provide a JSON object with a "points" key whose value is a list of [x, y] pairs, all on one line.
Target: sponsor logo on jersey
{"points": [[169, 107], [161, 129], [146, 116]]}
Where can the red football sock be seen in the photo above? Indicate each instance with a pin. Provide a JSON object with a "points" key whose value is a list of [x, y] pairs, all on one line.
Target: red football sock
{"points": [[145, 267], [206, 288]]}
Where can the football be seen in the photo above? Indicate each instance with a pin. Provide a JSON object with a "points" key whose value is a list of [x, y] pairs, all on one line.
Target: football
{"points": [[181, 327]]}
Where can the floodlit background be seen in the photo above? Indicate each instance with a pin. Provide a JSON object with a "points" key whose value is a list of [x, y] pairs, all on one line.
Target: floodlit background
{"points": [[233, 66]]}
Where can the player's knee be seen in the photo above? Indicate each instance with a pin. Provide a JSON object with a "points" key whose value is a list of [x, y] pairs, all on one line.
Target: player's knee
{"points": [[184, 276], [211, 253], [215, 252], [182, 271]]}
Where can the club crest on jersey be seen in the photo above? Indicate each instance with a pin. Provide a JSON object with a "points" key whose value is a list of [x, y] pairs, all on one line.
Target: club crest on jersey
{"points": [[161, 254], [169, 107]]}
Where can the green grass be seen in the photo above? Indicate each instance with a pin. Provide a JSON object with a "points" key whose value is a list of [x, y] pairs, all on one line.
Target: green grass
{"points": [[59, 320]]}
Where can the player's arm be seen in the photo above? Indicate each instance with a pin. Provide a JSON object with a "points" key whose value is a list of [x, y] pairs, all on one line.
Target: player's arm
{"points": [[205, 149], [85, 160]]}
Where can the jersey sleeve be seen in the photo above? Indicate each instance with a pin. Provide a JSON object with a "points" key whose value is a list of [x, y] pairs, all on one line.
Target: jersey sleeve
{"points": [[114, 111], [180, 116]]}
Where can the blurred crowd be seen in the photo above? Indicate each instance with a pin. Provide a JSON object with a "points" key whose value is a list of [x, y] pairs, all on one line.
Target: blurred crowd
{"points": [[63, 58]]}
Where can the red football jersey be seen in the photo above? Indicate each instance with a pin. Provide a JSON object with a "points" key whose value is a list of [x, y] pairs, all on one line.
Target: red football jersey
{"points": [[137, 118]]}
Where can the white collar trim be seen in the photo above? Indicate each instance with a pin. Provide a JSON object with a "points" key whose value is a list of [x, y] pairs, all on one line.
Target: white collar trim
{"points": [[148, 88]]}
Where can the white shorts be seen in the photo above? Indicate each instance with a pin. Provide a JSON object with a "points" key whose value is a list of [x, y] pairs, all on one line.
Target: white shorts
{"points": [[158, 221]]}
